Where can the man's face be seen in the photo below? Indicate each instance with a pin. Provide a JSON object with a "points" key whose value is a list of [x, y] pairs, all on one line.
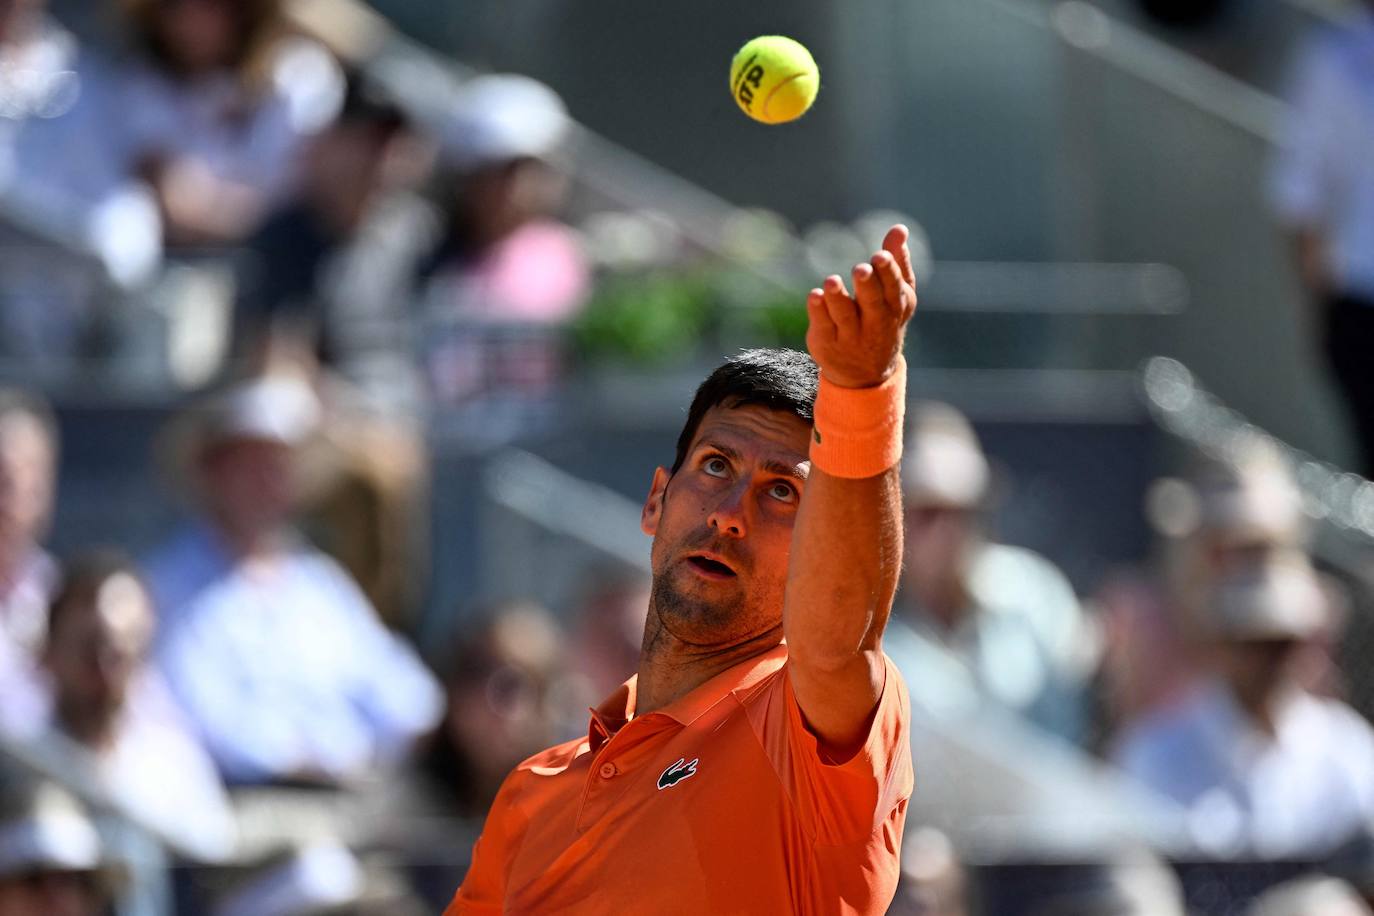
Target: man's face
{"points": [[250, 483], [12, 14], [96, 647], [43, 893], [26, 480], [939, 540], [722, 526], [202, 34], [1255, 669]]}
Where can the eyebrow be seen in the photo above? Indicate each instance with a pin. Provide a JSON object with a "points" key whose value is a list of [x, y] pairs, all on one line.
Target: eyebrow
{"points": [[771, 465]]}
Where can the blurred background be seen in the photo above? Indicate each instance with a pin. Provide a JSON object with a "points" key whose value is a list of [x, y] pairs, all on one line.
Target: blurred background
{"points": [[339, 343]]}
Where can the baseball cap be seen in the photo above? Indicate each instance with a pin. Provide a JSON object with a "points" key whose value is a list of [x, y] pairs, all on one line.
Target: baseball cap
{"points": [[500, 118], [943, 463]]}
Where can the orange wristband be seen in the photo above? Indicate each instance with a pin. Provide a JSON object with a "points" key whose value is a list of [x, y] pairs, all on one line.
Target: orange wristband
{"points": [[857, 432]]}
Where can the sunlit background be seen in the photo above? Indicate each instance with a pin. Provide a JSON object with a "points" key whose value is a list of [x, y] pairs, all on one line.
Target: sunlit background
{"points": [[339, 343]]}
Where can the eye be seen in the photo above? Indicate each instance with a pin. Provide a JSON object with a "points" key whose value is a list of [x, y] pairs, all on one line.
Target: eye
{"points": [[783, 492], [715, 466]]}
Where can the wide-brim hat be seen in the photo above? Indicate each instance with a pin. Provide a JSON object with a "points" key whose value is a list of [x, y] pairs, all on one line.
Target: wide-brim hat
{"points": [[943, 462], [279, 407]]}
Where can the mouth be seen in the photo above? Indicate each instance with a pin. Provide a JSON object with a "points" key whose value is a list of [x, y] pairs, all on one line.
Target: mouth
{"points": [[710, 567]]}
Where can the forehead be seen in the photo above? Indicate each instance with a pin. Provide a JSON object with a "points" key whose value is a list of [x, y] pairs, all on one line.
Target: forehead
{"points": [[756, 431]]}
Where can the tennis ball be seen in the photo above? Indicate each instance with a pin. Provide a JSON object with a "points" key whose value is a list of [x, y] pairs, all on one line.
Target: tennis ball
{"points": [[774, 79]]}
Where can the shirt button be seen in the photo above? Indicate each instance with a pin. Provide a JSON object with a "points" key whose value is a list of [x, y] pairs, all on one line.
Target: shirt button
{"points": [[608, 770]]}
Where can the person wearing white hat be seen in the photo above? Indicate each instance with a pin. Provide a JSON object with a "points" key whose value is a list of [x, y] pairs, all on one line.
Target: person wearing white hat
{"points": [[508, 275], [274, 652], [1228, 514], [1264, 767], [52, 862], [978, 622]]}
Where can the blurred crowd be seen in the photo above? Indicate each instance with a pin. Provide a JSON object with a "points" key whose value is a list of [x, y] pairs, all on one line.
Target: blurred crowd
{"points": [[223, 188]]}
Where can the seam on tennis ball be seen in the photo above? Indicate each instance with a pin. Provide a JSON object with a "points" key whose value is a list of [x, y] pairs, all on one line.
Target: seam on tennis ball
{"points": [[768, 99]]}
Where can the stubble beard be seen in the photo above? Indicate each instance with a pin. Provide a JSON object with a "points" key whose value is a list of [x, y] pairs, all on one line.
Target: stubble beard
{"points": [[695, 618]]}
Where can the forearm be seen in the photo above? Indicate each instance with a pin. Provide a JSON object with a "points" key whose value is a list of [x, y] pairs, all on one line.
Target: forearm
{"points": [[845, 561]]}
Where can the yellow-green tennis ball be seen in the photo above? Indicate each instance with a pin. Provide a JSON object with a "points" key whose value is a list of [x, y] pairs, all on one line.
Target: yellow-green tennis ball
{"points": [[774, 79]]}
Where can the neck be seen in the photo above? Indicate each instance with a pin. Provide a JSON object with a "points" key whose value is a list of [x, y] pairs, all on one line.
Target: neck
{"points": [[1262, 709], [945, 601], [669, 668], [93, 730], [246, 541]]}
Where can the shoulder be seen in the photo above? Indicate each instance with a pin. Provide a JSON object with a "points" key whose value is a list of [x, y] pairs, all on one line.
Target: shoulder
{"points": [[1334, 719], [181, 566], [999, 560], [554, 760], [524, 785], [1167, 733], [1018, 581]]}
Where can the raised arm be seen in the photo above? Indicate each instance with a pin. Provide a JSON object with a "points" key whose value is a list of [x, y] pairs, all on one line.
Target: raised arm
{"points": [[847, 542]]}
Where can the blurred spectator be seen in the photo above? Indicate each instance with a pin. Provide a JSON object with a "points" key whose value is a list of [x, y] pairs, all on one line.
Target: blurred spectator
{"points": [[1323, 191], [1314, 896], [271, 648], [933, 882], [1229, 516], [51, 859], [214, 110], [104, 700], [609, 630], [504, 680], [339, 263], [1265, 767], [28, 469], [74, 227], [507, 277], [977, 620]]}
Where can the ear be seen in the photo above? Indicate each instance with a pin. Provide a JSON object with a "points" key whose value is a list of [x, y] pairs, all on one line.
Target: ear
{"points": [[653, 504]]}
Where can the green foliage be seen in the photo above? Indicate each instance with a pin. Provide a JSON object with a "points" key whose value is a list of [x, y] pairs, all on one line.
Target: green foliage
{"points": [[667, 317]]}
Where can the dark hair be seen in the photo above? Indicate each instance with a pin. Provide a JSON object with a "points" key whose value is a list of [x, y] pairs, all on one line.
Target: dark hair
{"points": [[368, 104], [82, 577], [777, 379], [259, 24]]}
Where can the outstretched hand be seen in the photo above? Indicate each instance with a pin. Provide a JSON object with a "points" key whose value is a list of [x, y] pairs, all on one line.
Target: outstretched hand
{"points": [[856, 339]]}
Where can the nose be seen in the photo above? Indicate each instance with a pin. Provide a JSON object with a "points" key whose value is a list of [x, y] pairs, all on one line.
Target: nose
{"points": [[728, 514]]}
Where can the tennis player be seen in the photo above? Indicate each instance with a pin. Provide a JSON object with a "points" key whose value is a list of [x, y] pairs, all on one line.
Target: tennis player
{"points": [[759, 761]]}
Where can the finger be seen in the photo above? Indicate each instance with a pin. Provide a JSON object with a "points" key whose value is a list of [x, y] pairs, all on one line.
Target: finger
{"points": [[895, 244], [868, 292], [888, 277], [844, 311], [819, 318]]}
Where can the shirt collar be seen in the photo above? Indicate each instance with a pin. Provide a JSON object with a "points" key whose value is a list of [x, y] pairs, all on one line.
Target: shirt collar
{"points": [[613, 713]]}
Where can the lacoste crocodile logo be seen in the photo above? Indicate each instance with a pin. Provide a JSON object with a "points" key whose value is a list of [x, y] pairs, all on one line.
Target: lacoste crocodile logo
{"points": [[678, 772]]}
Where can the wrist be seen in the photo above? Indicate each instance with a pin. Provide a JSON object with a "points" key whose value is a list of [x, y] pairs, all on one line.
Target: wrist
{"points": [[857, 431]]}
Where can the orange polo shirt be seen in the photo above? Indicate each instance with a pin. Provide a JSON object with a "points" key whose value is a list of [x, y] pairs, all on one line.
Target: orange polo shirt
{"points": [[719, 803]]}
